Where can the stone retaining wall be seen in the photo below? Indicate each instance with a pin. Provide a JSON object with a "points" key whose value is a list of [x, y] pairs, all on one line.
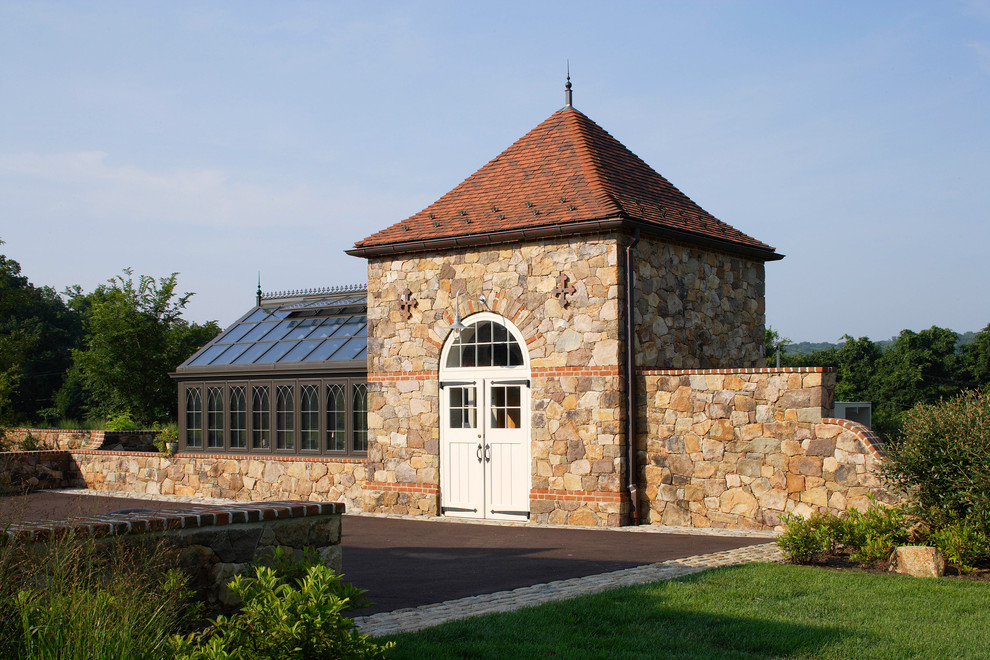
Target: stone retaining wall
{"points": [[723, 448], [25, 471], [56, 438], [213, 543], [231, 477]]}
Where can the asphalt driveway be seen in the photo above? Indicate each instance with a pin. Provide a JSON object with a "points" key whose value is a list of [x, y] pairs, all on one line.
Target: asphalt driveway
{"points": [[407, 563]]}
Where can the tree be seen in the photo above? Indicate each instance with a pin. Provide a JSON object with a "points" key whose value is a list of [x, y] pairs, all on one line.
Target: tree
{"points": [[771, 341], [37, 333], [135, 335], [976, 357], [919, 367]]}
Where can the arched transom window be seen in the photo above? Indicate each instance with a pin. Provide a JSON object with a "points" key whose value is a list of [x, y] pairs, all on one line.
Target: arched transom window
{"points": [[485, 343]]}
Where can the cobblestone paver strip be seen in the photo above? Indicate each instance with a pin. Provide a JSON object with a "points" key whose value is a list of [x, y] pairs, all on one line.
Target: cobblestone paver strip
{"points": [[412, 619]]}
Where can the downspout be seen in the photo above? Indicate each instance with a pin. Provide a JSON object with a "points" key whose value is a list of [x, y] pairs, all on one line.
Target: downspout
{"points": [[630, 375]]}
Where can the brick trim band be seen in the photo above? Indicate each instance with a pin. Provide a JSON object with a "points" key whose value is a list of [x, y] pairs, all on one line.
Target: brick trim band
{"points": [[191, 516], [871, 441], [729, 372], [576, 495], [426, 489]]}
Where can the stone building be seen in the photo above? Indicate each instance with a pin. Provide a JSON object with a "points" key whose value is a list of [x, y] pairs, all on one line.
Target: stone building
{"points": [[519, 331]]}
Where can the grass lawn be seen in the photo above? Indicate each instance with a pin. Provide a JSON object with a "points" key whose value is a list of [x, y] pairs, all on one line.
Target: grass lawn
{"points": [[751, 611]]}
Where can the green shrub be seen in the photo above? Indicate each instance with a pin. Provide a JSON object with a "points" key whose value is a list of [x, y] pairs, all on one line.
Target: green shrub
{"points": [[942, 459], [122, 422], [961, 545], [282, 618], [871, 536], [29, 443], [808, 540]]}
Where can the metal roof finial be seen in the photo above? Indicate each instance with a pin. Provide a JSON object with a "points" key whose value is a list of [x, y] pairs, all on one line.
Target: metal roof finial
{"points": [[567, 87], [258, 295]]}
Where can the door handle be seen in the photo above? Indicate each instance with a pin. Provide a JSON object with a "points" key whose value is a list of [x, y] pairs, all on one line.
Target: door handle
{"points": [[488, 453], [478, 453]]}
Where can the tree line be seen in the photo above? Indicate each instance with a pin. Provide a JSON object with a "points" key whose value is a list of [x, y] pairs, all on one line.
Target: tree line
{"points": [[77, 356], [917, 367]]}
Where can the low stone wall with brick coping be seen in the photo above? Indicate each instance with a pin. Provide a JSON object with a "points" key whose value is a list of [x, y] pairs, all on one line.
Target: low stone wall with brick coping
{"points": [[738, 448], [213, 543], [57, 438], [241, 478], [25, 471]]}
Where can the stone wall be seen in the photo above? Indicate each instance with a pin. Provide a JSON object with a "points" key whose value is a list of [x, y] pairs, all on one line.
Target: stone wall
{"points": [[723, 448], [697, 309], [25, 471], [573, 348], [212, 543], [56, 438], [237, 478]]}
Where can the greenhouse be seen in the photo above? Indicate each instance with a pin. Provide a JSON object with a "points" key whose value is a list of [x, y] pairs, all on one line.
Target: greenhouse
{"points": [[289, 377]]}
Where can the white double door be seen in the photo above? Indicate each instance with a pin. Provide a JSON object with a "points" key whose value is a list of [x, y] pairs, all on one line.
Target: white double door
{"points": [[484, 445]]}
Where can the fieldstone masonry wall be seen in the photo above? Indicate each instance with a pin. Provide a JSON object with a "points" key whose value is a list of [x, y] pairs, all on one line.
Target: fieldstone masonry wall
{"points": [[573, 348], [237, 478], [727, 448], [697, 309]]}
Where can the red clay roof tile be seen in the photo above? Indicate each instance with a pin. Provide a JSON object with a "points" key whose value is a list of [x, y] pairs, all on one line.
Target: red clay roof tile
{"points": [[566, 170]]}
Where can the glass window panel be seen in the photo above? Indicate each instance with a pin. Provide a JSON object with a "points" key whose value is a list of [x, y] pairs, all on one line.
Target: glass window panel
{"points": [[500, 355], [506, 411], [209, 354], [499, 333], [484, 332], [214, 417], [194, 418], [301, 350], [278, 331], [327, 327], [468, 355], [260, 418], [301, 328], [326, 349], [259, 315], [259, 331], [336, 418], [463, 407], [350, 350], [352, 327], [235, 333], [515, 355], [285, 423], [360, 417], [251, 354], [276, 352], [454, 356], [309, 418], [232, 353], [362, 354], [484, 355], [238, 418]]}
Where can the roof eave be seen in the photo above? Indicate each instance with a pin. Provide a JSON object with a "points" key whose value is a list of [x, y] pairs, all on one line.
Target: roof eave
{"points": [[570, 229]]}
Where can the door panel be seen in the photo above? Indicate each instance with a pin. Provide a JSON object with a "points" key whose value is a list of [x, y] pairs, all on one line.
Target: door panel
{"points": [[507, 473], [462, 483]]}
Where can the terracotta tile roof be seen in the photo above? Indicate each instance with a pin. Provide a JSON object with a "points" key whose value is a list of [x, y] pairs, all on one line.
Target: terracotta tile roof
{"points": [[566, 170]]}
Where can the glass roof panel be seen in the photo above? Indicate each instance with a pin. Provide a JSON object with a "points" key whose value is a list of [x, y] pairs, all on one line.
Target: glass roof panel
{"points": [[326, 349], [231, 354], [259, 331], [259, 315], [301, 350], [252, 353], [275, 353], [326, 328], [235, 333], [351, 349], [207, 356]]}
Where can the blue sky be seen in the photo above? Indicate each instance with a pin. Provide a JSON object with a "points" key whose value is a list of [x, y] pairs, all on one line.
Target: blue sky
{"points": [[218, 139]]}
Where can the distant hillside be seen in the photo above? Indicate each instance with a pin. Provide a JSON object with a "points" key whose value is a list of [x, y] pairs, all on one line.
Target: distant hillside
{"points": [[809, 347]]}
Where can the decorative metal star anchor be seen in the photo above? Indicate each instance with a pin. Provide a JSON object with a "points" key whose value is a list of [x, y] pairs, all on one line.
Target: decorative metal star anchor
{"points": [[406, 304], [563, 289]]}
